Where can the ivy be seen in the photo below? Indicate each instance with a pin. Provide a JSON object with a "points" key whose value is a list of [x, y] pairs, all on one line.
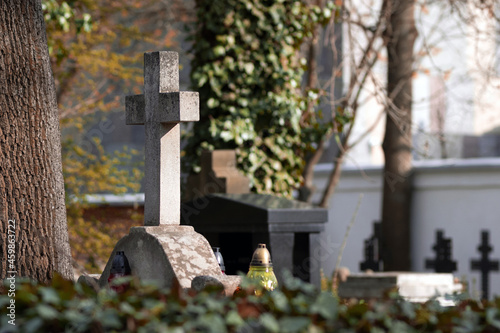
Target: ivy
{"points": [[247, 70]]}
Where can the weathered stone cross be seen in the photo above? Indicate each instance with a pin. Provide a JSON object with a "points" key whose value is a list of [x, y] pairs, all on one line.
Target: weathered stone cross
{"points": [[161, 108]]}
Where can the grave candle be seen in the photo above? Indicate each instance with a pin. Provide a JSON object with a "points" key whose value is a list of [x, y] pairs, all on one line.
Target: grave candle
{"points": [[261, 268]]}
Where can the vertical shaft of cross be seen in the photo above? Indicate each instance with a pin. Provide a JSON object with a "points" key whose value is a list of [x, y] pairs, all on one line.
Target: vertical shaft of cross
{"points": [[162, 169]]}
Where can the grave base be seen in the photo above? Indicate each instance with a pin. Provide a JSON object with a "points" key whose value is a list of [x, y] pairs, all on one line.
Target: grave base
{"points": [[161, 254], [414, 287]]}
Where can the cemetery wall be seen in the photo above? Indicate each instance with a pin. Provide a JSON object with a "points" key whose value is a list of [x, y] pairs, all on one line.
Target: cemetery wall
{"points": [[461, 197]]}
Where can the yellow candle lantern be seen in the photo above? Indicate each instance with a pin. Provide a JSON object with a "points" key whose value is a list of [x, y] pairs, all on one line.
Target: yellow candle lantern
{"points": [[261, 268]]}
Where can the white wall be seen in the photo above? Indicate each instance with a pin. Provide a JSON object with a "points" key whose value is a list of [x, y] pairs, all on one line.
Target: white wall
{"points": [[462, 197]]}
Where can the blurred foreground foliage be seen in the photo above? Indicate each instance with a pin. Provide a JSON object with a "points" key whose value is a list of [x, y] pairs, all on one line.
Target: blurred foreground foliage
{"points": [[294, 307], [96, 49]]}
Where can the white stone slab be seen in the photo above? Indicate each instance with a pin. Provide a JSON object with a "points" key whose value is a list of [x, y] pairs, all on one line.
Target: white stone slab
{"points": [[414, 287]]}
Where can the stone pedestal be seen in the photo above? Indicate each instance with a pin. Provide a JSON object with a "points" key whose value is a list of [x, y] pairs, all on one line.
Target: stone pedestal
{"points": [[163, 253], [414, 287]]}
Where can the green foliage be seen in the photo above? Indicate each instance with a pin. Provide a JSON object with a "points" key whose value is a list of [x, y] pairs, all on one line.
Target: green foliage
{"points": [[247, 69], [68, 17], [294, 307], [61, 15]]}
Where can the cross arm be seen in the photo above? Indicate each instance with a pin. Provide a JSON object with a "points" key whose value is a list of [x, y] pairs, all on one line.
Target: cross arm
{"points": [[180, 106], [479, 265], [174, 107]]}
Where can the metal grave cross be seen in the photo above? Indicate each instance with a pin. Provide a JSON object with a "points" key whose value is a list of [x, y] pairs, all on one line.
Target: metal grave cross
{"points": [[443, 249], [372, 249], [161, 108], [485, 265]]}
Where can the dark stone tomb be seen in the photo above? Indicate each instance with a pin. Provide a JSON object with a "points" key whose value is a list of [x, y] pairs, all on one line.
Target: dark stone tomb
{"points": [[237, 223]]}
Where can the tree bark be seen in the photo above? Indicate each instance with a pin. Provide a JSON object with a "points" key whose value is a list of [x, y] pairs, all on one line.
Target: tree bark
{"points": [[400, 36], [31, 180]]}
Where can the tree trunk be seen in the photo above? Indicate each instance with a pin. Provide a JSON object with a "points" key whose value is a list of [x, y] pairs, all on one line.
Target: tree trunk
{"points": [[334, 178], [400, 36], [307, 190], [31, 181]]}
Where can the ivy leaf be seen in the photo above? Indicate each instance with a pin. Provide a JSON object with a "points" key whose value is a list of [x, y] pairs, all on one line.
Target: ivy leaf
{"points": [[269, 322], [249, 67], [46, 311], [33, 325], [326, 305], [280, 301], [49, 296], [493, 317], [293, 324]]}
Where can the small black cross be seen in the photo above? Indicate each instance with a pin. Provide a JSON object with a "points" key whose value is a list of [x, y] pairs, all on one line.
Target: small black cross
{"points": [[484, 265], [372, 256], [443, 262]]}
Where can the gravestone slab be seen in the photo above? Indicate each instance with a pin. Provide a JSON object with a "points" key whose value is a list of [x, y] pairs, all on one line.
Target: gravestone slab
{"points": [[219, 166], [414, 287], [219, 174]]}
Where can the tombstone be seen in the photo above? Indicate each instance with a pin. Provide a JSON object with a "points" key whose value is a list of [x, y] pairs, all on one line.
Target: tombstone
{"points": [[414, 287], [218, 174], [443, 249], [485, 265], [372, 251], [237, 223], [162, 250]]}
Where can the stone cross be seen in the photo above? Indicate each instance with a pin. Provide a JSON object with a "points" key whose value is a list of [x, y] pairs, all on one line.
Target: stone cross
{"points": [[163, 251], [161, 108], [443, 249], [484, 265]]}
